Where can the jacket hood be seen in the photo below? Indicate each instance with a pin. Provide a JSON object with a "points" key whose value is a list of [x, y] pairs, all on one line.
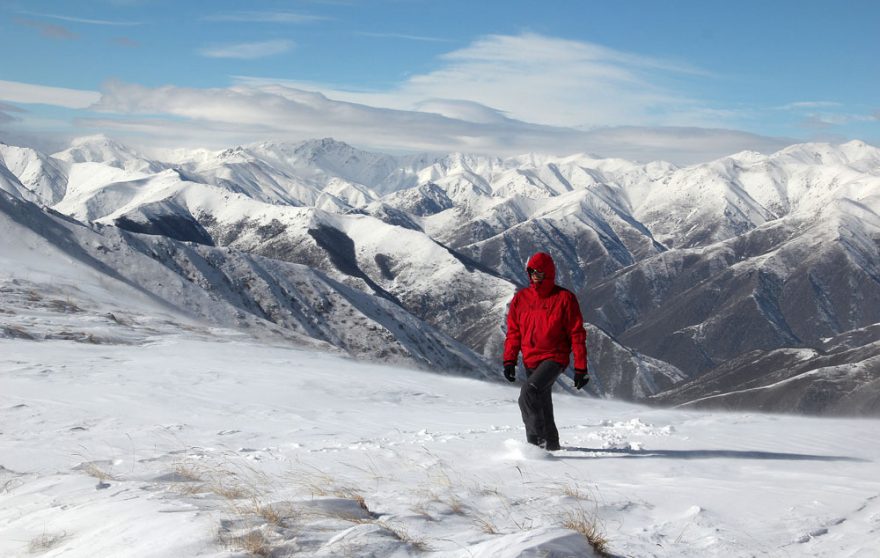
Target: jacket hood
{"points": [[544, 263]]}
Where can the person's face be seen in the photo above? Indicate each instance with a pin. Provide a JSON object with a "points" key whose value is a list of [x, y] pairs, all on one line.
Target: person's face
{"points": [[535, 276]]}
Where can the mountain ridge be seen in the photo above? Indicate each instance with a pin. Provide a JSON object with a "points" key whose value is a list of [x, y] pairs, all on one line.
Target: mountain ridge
{"points": [[648, 247]]}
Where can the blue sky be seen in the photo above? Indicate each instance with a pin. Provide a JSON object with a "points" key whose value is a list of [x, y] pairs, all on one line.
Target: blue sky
{"points": [[677, 80]]}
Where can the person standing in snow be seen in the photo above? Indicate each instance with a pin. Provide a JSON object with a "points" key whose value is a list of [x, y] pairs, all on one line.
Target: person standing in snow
{"points": [[544, 322]]}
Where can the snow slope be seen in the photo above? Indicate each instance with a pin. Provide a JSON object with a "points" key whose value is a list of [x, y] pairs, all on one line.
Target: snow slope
{"points": [[96, 275], [211, 444], [44, 178]]}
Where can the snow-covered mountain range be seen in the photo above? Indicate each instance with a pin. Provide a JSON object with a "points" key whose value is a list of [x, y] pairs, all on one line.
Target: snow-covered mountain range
{"points": [[695, 281]]}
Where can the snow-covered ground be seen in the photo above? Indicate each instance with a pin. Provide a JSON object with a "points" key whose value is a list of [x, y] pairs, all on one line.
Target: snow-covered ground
{"points": [[200, 442]]}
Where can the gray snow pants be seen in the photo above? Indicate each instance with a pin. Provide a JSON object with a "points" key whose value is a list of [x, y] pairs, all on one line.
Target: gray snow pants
{"points": [[536, 404]]}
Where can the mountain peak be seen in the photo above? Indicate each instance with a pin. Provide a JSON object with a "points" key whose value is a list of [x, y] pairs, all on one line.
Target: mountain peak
{"points": [[97, 149], [308, 149], [748, 157], [827, 153], [327, 143], [88, 140]]}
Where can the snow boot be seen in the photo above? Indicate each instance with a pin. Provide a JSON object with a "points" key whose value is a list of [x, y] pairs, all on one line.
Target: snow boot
{"points": [[551, 445]]}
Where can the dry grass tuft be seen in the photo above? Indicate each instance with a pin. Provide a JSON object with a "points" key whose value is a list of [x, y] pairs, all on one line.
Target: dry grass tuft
{"points": [[188, 480], [421, 510], [93, 470], [188, 473], [486, 525], [456, 505], [253, 542], [480, 490], [359, 498], [404, 536], [318, 483], [574, 491], [230, 490], [45, 542], [273, 514], [221, 481], [190, 489], [586, 524], [348, 494]]}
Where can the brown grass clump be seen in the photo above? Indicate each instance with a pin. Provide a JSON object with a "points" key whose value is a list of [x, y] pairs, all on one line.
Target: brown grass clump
{"points": [[253, 542], [587, 525], [404, 536], [485, 525]]}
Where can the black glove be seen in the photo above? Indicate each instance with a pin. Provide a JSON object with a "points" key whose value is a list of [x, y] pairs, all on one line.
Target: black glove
{"points": [[580, 378], [510, 371]]}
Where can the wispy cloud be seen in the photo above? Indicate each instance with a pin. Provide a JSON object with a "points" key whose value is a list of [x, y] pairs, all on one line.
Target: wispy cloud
{"points": [[802, 105], [10, 108], [266, 17], [28, 93], [822, 115], [5, 110], [828, 119], [83, 20], [404, 36], [49, 30], [248, 51]]}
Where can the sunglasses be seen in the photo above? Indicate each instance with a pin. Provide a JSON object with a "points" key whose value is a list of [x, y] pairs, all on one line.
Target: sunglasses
{"points": [[535, 273]]}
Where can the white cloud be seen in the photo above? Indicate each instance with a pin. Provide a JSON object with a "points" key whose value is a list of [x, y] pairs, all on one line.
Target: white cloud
{"points": [[468, 111], [248, 51], [546, 80], [501, 95], [28, 93], [217, 118]]}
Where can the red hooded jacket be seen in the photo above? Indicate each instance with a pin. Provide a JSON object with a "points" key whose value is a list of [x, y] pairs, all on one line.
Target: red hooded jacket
{"points": [[544, 321]]}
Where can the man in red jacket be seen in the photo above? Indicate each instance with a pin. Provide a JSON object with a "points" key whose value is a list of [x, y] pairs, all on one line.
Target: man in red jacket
{"points": [[545, 323]]}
